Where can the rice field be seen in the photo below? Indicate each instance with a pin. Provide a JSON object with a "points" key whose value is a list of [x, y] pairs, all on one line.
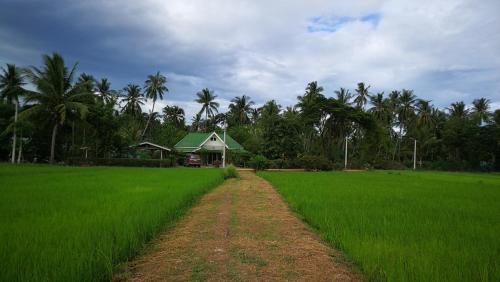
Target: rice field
{"points": [[403, 226], [78, 224]]}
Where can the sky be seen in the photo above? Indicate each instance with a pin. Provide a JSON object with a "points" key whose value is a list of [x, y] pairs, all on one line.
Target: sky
{"points": [[445, 50]]}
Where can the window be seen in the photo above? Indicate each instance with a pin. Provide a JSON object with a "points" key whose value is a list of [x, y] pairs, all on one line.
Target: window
{"points": [[213, 138]]}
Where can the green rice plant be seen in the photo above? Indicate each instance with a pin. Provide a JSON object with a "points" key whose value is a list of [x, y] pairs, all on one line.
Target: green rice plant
{"points": [[78, 224], [403, 226]]}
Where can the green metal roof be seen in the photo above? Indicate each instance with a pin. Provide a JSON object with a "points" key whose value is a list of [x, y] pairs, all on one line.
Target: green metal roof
{"points": [[194, 140]]}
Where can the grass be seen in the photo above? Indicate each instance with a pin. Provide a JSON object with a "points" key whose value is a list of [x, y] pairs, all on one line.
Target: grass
{"points": [[78, 224], [403, 226]]}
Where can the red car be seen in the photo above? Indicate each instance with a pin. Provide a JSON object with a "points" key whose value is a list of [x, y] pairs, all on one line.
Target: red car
{"points": [[192, 160]]}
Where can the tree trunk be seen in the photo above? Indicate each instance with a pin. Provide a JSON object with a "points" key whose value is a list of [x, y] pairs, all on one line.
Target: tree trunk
{"points": [[14, 137], [20, 153], [73, 135], [53, 143], [149, 119]]}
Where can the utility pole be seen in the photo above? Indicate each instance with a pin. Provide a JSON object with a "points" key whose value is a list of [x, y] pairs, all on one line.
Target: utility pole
{"points": [[224, 150], [415, 155], [345, 155]]}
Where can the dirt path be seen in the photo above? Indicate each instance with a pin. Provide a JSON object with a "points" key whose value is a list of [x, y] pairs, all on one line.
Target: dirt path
{"points": [[241, 231]]}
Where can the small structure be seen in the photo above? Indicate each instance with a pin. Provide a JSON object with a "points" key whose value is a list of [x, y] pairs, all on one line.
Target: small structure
{"points": [[209, 146], [152, 147]]}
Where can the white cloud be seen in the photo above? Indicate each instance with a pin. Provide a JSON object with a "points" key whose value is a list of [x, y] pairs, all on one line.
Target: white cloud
{"points": [[445, 50]]}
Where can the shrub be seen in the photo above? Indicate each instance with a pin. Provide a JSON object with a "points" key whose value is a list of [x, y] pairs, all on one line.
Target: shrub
{"points": [[389, 164], [277, 163], [258, 162], [231, 172], [315, 163]]}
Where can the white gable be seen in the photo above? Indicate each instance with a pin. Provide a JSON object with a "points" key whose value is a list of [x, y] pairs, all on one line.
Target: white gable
{"points": [[213, 143]]}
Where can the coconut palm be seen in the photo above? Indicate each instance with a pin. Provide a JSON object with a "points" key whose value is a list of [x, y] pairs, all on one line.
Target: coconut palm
{"points": [[133, 100], [55, 96], [11, 88], [174, 115], [380, 109], [196, 122], [362, 95], [154, 87], [344, 96], [424, 113], [480, 110], [103, 89], [240, 108], [406, 108], [88, 81], [309, 100], [458, 110], [208, 105]]}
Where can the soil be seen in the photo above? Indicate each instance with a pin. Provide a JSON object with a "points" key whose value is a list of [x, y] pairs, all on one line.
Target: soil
{"points": [[240, 231]]}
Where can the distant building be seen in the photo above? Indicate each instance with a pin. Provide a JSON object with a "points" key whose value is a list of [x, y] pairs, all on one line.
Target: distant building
{"points": [[208, 145]]}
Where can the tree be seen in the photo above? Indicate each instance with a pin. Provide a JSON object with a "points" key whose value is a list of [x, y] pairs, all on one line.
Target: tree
{"points": [[133, 100], [154, 88], [208, 105], [458, 110], [55, 96], [196, 122], [480, 110], [103, 88], [11, 88], [380, 109], [344, 96], [240, 108], [362, 95], [310, 110], [174, 115]]}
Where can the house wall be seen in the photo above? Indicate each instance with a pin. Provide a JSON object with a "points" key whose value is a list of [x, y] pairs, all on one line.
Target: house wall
{"points": [[213, 145]]}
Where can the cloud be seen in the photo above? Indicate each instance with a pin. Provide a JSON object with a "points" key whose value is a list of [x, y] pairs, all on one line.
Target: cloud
{"points": [[444, 50]]}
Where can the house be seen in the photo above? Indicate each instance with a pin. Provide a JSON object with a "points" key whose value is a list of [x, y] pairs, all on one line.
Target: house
{"points": [[209, 146]]}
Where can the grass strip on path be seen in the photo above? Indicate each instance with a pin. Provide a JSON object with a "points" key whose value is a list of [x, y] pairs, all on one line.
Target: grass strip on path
{"points": [[240, 231]]}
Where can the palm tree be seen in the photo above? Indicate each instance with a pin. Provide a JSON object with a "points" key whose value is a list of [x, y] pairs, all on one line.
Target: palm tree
{"points": [[154, 87], [55, 96], [103, 88], [11, 83], [344, 96], [380, 109], [240, 108], [174, 115], [309, 99], [424, 114], [133, 100], [206, 99], [88, 81], [458, 110], [196, 122], [480, 110], [406, 108], [362, 95]]}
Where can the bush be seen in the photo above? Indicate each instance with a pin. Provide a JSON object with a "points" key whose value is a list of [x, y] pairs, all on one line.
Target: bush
{"points": [[231, 172], [389, 164], [277, 163], [258, 162], [315, 163], [170, 162]]}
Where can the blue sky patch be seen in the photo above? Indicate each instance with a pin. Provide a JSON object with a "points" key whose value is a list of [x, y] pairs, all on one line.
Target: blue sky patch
{"points": [[334, 23]]}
